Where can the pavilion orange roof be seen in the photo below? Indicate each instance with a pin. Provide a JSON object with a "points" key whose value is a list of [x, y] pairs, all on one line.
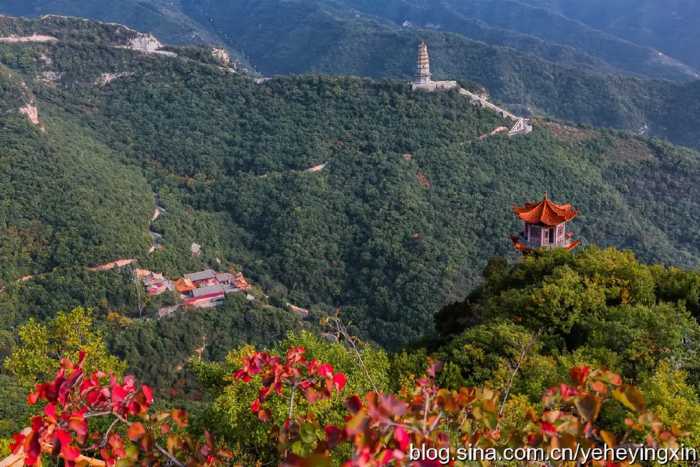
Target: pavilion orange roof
{"points": [[545, 212]]}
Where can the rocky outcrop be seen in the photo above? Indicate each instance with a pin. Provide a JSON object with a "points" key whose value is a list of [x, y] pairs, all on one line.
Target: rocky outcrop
{"points": [[316, 168], [106, 78], [32, 113], [145, 43], [148, 44], [50, 78], [222, 56]]}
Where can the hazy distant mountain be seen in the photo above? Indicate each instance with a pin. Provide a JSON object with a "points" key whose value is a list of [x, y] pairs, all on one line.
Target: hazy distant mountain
{"points": [[619, 35], [671, 26], [161, 18], [544, 32]]}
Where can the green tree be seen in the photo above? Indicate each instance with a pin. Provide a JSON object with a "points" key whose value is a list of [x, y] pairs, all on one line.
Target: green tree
{"points": [[674, 400], [43, 345]]}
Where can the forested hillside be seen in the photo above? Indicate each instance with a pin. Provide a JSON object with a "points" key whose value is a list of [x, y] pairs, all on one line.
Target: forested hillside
{"points": [[399, 222], [66, 199], [568, 70]]}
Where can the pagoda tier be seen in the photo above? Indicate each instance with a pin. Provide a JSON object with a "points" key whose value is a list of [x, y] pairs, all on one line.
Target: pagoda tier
{"points": [[423, 75], [544, 226]]}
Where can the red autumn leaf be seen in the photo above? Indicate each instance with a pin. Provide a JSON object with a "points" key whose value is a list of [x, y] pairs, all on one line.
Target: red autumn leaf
{"points": [[32, 449], [78, 424], [180, 417], [242, 375], [33, 398], [353, 404], [339, 381], [567, 391], [325, 370], [312, 395], [599, 387], [548, 429], [37, 424], [117, 445], [334, 436], [295, 355], [386, 457], [118, 395], [532, 439], [401, 436], [63, 437], [70, 453], [50, 412], [579, 374], [136, 431], [17, 442], [264, 415], [148, 392]]}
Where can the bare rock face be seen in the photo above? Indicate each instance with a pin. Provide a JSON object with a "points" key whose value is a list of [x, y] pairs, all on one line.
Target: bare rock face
{"points": [[316, 168], [222, 56], [145, 43], [31, 112], [50, 78], [106, 78]]}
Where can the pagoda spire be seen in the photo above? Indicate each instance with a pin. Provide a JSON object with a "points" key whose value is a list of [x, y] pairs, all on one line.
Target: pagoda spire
{"points": [[423, 75]]}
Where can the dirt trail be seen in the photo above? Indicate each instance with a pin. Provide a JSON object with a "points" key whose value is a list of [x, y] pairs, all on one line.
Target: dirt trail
{"points": [[27, 39]]}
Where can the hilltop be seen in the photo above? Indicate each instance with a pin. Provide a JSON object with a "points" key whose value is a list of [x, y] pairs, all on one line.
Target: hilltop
{"points": [[406, 202]]}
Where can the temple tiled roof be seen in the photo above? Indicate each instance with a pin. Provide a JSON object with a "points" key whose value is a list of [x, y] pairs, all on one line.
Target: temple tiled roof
{"points": [[201, 275], [545, 212]]}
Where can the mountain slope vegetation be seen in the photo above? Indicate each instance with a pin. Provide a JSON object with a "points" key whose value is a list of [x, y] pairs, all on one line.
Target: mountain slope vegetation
{"points": [[66, 198], [401, 219], [560, 71]]}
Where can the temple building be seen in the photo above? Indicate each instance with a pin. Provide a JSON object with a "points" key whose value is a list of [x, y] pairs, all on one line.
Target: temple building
{"points": [[424, 81], [544, 226]]}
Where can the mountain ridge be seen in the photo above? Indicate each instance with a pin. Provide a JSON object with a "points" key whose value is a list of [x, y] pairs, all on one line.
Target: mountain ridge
{"points": [[519, 21], [538, 77]]}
